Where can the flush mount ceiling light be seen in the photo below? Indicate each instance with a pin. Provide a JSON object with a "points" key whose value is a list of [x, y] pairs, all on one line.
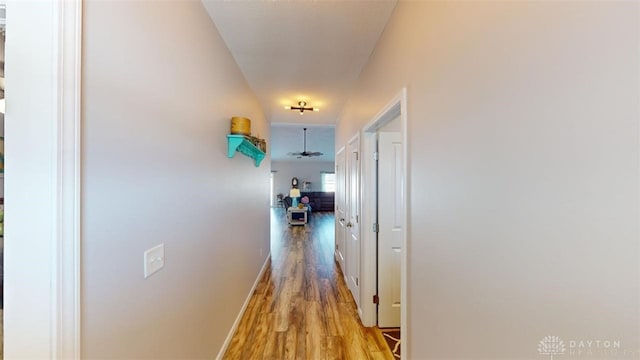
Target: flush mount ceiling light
{"points": [[302, 106]]}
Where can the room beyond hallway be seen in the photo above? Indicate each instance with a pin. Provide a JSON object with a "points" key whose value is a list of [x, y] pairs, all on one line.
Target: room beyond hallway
{"points": [[302, 309]]}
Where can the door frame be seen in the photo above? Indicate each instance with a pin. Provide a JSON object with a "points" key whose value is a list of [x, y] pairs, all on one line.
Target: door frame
{"points": [[43, 167], [340, 225], [396, 107], [358, 206]]}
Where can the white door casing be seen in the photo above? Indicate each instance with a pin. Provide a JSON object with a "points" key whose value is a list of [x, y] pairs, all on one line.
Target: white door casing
{"points": [[353, 218], [42, 180], [390, 222], [341, 212], [397, 106]]}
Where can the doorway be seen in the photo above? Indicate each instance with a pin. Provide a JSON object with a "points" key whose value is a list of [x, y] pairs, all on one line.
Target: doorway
{"points": [[384, 211], [390, 229]]}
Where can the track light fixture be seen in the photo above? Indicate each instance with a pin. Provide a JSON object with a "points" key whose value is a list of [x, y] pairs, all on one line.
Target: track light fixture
{"points": [[302, 106]]}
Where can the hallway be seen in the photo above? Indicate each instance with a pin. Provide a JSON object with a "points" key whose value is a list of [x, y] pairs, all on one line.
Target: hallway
{"points": [[302, 308]]}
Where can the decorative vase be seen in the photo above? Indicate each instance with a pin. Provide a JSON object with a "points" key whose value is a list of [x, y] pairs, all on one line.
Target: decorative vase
{"points": [[240, 126]]}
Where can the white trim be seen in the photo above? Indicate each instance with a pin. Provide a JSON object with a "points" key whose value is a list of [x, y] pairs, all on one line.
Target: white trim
{"points": [[404, 291], [369, 251], [42, 184], [68, 186], [397, 106], [349, 257], [234, 327], [335, 209], [391, 111]]}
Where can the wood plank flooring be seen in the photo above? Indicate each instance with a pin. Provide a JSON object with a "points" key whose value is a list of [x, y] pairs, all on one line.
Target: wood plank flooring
{"points": [[302, 309]]}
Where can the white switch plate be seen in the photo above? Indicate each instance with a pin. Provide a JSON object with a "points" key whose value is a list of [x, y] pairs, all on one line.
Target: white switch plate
{"points": [[153, 260]]}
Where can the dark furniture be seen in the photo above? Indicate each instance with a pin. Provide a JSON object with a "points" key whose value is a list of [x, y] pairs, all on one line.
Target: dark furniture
{"points": [[318, 200]]}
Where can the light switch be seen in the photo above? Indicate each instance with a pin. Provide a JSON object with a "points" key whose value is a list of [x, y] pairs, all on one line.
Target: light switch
{"points": [[153, 260]]}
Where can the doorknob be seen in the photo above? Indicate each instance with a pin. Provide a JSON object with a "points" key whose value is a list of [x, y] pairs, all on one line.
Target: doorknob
{"points": [[341, 220], [349, 224]]}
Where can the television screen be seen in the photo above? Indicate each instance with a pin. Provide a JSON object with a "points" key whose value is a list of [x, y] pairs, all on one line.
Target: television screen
{"points": [[297, 216]]}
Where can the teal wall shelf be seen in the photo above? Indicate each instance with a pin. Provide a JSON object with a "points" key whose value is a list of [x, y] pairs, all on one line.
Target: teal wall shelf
{"points": [[239, 143]]}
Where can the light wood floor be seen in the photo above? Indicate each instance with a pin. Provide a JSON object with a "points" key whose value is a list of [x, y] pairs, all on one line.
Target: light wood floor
{"points": [[301, 308]]}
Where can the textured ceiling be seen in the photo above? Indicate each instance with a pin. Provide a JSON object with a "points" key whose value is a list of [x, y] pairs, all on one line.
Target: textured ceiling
{"points": [[292, 51]]}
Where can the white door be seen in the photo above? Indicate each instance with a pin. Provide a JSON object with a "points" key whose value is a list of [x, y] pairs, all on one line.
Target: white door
{"points": [[353, 218], [391, 197], [341, 212]]}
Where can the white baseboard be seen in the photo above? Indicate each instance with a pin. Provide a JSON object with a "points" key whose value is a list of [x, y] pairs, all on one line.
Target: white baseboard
{"points": [[225, 345]]}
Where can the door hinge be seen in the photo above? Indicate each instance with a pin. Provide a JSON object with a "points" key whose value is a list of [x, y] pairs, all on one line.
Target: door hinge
{"points": [[376, 299], [376, 156], [376, 228], [357, 282], [356, 154], [357, 219]]}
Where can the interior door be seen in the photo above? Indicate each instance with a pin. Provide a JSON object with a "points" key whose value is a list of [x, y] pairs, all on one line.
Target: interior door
{"points": [[341, 212], [391, 197], [353, 218]]}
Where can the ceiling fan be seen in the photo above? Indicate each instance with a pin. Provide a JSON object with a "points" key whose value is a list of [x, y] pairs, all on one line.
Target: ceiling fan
{"points": [[305, 153]]}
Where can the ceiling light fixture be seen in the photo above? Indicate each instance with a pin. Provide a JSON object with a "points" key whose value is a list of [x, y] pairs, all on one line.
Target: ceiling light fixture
{"points": [[302, 106]]}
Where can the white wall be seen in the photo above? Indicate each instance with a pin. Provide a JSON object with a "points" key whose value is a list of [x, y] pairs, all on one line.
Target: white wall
{"points": [[524, 158], [304, 171], [159, 90]]}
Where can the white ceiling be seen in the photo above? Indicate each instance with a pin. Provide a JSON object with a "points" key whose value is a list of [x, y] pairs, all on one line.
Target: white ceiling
{"points": [[292, 51], [301, 50], [289, 138]]}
